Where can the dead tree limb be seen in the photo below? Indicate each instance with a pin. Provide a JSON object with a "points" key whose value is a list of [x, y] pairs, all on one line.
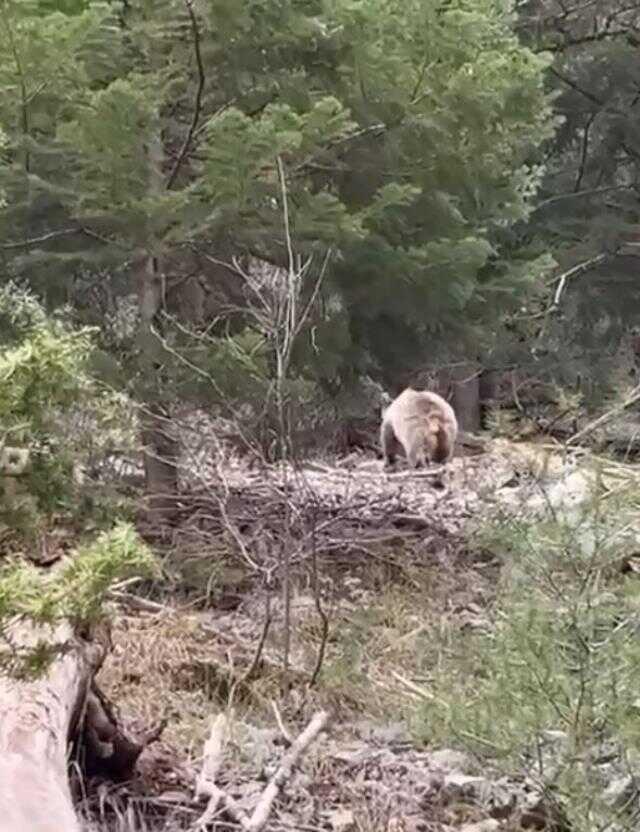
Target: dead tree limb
{"points": [[631, 399], [42, 717], [214, 750], [37, 718]]}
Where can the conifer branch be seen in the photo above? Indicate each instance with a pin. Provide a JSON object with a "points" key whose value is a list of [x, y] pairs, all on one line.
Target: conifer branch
{"points": [[606, 189], [32, 241], [54, 235], [595, 99], [596, 37]]}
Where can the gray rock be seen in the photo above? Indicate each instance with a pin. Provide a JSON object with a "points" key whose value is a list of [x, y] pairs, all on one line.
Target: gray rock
{"points": [[393, 734], [354, 754], [488, 825], [604, 753], [449, 759], [501, 800], [555, 737], [459, 786], [622, 792]]}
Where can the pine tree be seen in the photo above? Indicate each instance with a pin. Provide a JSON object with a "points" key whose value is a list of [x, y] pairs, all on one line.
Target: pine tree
{"points": [[144, 140], [587, 210]]}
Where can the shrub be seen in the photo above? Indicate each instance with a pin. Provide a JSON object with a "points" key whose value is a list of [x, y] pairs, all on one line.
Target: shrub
{"points": [[560, 654], [44, 384]]}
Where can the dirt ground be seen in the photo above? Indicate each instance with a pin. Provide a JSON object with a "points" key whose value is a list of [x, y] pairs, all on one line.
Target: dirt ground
{"points": [[375, 561]]}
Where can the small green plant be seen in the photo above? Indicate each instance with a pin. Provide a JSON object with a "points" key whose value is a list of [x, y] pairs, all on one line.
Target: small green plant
{"points": [[76, 591], [500, 421]]}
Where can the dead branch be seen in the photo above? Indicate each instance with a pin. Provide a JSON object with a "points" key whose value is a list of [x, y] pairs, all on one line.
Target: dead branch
{"points": [[213, 756], [283, 731], [263, 809], [40, 716], [255, 661], [324, 619], [32, 241], [424, 473], [214, 750], [137, 603], [631, 399]]}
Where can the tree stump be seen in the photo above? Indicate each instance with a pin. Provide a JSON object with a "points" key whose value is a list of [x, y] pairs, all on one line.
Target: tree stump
{"points": [[466, 396]]}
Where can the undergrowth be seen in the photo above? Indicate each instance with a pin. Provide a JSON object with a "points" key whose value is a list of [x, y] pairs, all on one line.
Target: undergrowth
{"points": [[559, 658], [54, 420]]}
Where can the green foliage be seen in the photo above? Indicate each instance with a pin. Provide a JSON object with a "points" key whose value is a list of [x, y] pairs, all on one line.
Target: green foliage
{"points": [[76, 591], [224, 369], [45, 371], [45, 385], [407, 133], [110, 135], [50, 54], [466, 109], [587, 205], [560, 652], [43, 374]]}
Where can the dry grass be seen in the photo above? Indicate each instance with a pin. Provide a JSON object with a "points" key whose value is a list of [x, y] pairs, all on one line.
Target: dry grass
{"points": [[172, 666], [181, 665]]}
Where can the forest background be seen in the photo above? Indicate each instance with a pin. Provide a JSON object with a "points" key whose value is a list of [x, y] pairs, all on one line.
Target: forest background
{"points": [[459, 181], [270, 212]]}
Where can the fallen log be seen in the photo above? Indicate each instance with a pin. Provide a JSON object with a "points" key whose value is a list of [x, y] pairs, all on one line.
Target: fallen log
{"points": [[42, 717]]}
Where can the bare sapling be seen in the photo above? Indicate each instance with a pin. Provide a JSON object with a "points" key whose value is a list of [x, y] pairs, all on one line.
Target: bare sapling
{"points": [[280, 308]]}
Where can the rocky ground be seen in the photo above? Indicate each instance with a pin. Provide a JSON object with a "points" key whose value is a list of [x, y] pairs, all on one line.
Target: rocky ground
{"points": [[374, 560]]}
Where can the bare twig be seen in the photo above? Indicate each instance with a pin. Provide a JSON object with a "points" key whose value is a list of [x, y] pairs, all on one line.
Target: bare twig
{"points": [[138, 603], [324, 619], [420, 692], [54, 235], [285, 734], [43, 238], [573, 272], [197, 106], [584, 152], [246, 676], [577, 194], [561, 280], [412, 473]]}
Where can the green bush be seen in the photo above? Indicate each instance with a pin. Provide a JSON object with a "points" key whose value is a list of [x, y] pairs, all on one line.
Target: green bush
{"points": [[49, 407], [560, 653], [75, 592]]}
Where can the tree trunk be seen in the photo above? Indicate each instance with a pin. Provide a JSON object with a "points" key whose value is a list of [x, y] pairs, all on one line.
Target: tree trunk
{"points": [[489, 392], [158, 436], [40, 718], [489, 387], [160, 462], [466, 397]]}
